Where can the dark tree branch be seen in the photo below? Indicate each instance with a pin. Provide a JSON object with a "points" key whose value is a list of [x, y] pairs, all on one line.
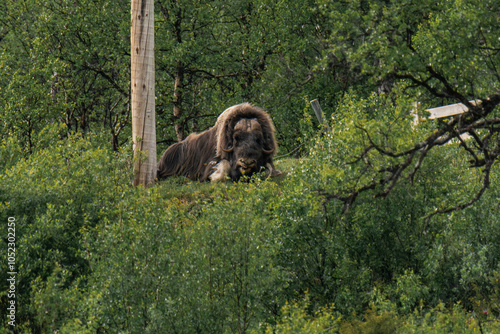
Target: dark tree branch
{"points": [[362, 155], [482, 153], [421, 83], [423, 154], [448, 88], [396, 175]]}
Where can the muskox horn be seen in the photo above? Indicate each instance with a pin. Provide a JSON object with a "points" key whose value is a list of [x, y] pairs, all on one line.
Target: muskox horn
{"points": [[228, 150], [271, 151]]}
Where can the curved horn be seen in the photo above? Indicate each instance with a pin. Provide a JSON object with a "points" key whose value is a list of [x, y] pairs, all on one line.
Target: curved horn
{"points": [[271, 151], [227, 150]]}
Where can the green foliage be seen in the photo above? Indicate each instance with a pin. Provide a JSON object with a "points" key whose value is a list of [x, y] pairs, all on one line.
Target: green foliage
{"points": [[453, 320], [297, 318], [467, 55], [54, 70], [446, 50], [375, 323], [10, 152], [382, 234], [76, 72], [52, 195], [205, 269], [97, 255], [100, 255]]}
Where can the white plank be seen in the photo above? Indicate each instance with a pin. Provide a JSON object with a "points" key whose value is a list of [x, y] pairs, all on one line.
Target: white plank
{"points": [[449, 110]]}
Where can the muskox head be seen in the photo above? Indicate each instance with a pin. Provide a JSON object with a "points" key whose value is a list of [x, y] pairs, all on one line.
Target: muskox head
{"points": [[247, 150], [241, 143], [246, 141]]}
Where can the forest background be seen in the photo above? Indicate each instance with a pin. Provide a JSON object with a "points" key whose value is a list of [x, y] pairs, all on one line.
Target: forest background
{"points": [[380, 225]]}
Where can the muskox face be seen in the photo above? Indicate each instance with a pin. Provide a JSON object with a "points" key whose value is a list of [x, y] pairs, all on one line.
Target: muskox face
{"points": [[247, 152], [247, 149]]}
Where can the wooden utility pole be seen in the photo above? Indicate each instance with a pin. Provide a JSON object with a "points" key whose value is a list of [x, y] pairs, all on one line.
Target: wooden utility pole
{"points": [[143, 91]]}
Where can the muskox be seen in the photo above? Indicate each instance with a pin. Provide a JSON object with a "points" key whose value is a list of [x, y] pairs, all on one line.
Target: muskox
{"points": [[241, 143]]}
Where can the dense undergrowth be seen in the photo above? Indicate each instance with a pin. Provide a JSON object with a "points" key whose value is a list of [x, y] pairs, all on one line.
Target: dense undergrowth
{"points": [[346, 241], [95, 254]]}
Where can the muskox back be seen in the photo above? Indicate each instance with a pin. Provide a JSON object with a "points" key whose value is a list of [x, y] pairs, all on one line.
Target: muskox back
{"points": [[242, 142]]}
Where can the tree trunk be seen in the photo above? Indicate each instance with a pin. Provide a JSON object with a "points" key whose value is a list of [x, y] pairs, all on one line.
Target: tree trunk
{"points": [[179, 78], [143, 91]]}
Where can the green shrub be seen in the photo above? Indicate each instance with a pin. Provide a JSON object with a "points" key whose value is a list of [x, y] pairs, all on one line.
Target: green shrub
{"points": [[299, 318], [53, 194], [97, 254]]}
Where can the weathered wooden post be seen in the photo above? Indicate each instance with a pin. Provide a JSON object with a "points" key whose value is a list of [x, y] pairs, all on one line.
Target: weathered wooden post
{"points": [[143, 91], [319, 114]]}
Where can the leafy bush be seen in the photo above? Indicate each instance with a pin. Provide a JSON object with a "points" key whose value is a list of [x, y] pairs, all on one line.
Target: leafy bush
{"points": [[53, 194], [298, 318], [96, 254]]}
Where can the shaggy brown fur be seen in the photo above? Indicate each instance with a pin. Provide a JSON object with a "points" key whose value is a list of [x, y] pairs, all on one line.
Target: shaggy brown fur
{"points": [[199, 155], [227, 120]]}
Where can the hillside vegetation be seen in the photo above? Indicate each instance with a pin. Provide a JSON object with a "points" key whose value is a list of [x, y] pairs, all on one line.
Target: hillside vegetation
{"points": [[97, 255], [379, 226]]}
